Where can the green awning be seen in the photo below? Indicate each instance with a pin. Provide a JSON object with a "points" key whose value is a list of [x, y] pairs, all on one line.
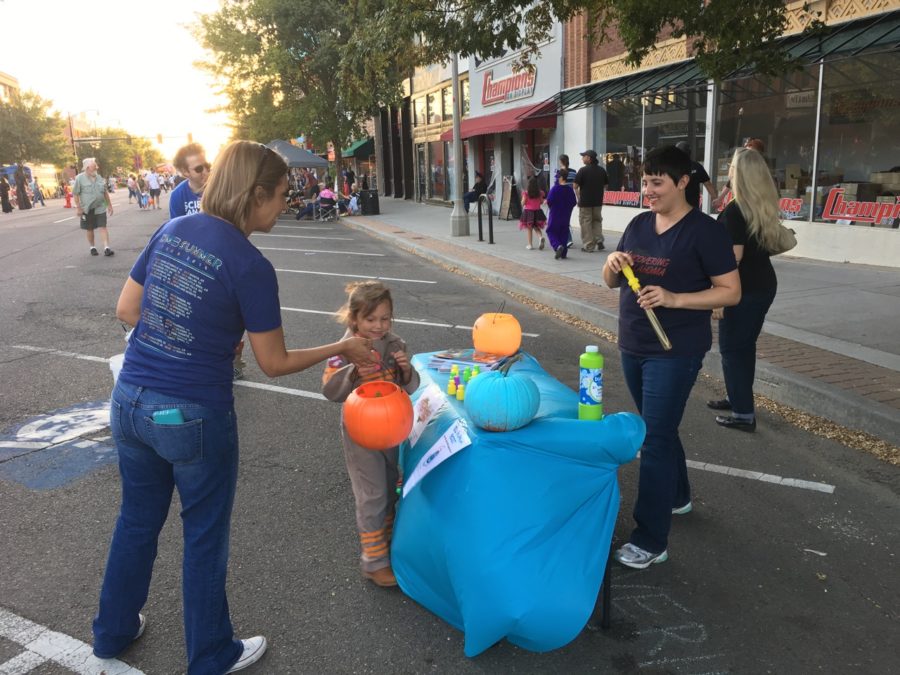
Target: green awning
{"points": [[864, 36], [360, 149]]}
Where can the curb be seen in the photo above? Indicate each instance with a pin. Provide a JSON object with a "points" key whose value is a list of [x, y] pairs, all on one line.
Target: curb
{"points": [[779, 384]]}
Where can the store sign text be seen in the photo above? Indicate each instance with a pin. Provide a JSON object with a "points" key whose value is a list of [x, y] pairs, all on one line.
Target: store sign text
{"points": [[836, 208], [509, 88]]}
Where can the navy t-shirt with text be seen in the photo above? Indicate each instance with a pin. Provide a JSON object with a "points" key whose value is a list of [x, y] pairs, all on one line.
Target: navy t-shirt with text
{"points": [[204, 284], [681, 260], [183, 201]]}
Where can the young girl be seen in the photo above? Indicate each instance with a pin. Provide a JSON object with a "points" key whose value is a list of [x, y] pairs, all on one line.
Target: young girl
{"points": [[533, 218], [368, 313]]}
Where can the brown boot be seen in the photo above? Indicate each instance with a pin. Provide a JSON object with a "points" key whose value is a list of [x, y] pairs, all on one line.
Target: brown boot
{"points": [[383, 577]]}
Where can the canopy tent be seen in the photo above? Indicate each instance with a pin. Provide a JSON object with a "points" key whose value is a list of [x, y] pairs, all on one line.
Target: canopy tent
{"points": [[297, 157]]}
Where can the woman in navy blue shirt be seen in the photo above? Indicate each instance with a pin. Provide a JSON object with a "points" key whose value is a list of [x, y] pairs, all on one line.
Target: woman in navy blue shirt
{"points": [[194, 290], [752, 219], [685, 264]]}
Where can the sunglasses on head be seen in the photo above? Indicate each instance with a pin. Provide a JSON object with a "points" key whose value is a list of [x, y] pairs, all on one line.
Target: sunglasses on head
{"points": [[201, 168]]}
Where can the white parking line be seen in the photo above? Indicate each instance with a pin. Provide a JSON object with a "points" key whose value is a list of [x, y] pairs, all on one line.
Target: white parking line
{"points": [[700, 466], [413, 322], [355, 276], [312, 250], [305, 227], [64, 220], [42, 644], [303, 236]]}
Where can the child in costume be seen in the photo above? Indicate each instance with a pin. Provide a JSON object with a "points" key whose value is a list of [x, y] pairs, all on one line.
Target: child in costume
{"points": [[533, 218], [368, 313]]}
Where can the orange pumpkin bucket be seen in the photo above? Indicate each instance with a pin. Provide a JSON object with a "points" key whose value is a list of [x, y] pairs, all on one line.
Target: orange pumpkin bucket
{"points": [[378, 415], [497, 333]]}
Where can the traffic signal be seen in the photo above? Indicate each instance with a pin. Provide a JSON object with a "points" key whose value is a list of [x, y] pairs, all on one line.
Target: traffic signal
{"points": [[190, 137], [159, 138]]}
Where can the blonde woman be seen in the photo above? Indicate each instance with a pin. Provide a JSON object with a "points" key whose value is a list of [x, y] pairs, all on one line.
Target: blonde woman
{"points": [[753, 220]]}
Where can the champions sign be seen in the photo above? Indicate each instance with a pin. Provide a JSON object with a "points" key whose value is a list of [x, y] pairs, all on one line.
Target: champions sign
{"points": [[509, 88], [878, 213]]}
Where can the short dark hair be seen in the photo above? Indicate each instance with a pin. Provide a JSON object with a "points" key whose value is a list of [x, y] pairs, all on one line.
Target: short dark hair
{"points": [[184, 152], [667, 160], [564, 159]]}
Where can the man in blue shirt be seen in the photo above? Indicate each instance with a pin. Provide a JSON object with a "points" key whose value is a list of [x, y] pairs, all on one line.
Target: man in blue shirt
{"points": [[190, 161]]}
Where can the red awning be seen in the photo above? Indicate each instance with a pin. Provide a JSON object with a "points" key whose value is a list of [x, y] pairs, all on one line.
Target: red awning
{"points": [[515, 119]]}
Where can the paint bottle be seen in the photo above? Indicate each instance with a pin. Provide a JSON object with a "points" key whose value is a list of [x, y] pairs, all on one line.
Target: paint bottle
{"points": [[461, 392], [451, 387], [590, 384]]}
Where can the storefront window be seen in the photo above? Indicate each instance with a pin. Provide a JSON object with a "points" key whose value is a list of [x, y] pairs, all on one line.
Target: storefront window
{"points": [[434, 107], [437, 175], [419, 110], [619, 146], [447, 99], [782, 113], [465, 98], [858, 177]]}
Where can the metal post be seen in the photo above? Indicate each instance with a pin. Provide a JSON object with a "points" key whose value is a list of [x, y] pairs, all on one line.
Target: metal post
{"points": [[459, 219], [712, 133], [815, 168], [480, 231]]}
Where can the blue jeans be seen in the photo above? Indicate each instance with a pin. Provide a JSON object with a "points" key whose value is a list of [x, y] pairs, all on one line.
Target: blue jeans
{"points": [[738, 331], [200, 458], [660, 387]]}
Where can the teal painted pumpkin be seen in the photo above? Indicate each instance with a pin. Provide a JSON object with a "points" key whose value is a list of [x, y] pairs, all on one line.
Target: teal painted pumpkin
{"points": [[501, 401]]}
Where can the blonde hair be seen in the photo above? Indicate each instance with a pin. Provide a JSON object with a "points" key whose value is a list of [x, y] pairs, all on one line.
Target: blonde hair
{"points": [[362, 299], [756, 196], [239, 169]]}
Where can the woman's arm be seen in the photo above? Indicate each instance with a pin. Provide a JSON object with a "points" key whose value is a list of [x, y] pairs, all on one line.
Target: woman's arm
{"points": [[128, 308], [275, 359], [738, 252], [612, 268], [725, 292]]}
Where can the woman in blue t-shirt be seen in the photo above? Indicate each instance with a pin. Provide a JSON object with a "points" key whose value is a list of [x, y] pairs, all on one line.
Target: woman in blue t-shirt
{"points": [[753, 221], [685, 265], [194, 290]]}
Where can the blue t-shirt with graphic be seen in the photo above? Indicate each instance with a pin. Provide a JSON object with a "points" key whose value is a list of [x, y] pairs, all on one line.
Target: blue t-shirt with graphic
{"points": [[204, 284], [681, 260], [183, 201]]}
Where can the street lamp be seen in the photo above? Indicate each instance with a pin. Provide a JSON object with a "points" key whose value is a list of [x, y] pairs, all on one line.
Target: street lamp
{"points": [[459, 219]]}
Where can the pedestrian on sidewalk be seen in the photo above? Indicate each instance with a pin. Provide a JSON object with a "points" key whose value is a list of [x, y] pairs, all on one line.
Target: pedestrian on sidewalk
{"points": [[685, 264], [533, 218], [37, 195], [561, 201], [753, 219], [172, 409], [368, 313], [590, 183], [4, 195], [93, 204]]}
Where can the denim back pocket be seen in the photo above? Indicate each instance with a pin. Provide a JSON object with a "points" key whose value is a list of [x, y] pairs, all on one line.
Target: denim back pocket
{"points": [[177, 443]]}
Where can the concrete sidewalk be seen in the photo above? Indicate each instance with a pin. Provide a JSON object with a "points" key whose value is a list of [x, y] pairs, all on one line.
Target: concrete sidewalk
{"points": [[830, 345]]}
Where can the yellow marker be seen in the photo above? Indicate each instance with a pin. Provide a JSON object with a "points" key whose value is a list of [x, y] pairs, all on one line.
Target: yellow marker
{"points": [[451, 387], [461, 392], [635, 285]]}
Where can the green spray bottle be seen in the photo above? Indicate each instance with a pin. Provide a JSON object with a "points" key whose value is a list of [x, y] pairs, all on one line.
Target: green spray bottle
{"points": [[590, 384]]}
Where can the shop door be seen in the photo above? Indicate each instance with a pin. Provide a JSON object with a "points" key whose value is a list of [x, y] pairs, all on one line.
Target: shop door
{"points": [[422, 169]]}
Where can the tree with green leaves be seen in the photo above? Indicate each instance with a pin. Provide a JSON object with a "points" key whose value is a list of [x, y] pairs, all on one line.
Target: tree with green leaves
{"points": [[723, 35], [287, 68], [115, 151], [30, 132]]}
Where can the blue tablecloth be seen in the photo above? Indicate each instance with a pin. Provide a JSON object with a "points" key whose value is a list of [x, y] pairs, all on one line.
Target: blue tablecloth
{"points": [[509, 538]]}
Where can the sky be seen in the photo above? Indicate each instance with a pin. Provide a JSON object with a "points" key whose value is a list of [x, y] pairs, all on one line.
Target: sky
{"points": [[140, 56]]}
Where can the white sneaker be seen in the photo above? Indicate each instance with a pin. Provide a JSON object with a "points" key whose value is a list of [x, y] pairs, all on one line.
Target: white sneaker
{"points": [[681, 510], [142, 624], [528, 247], [254, 648], [637, 558]]}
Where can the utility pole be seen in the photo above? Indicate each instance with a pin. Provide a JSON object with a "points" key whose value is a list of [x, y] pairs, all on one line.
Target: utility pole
{"points": [[459, 219]]}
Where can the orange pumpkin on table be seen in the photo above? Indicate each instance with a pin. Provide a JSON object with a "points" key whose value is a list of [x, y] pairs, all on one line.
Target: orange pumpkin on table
{"points": [[496, 333]]}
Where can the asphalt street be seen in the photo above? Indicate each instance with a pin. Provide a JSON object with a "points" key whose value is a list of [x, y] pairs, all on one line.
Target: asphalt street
{"points": [[763, 577]]}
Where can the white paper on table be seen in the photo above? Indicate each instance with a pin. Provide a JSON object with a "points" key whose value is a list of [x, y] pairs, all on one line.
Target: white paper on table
{"points": [[429, 404], [452, 441]]}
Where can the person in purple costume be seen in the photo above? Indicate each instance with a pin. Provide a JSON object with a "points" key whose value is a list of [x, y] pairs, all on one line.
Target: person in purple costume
{"points": [[561, 201]]}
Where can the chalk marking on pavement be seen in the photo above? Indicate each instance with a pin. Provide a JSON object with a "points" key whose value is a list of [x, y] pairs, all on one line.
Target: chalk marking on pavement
{"points": [[64, 220], [303, 236], [763, 477], [57, 352], [312, 250], [355, 276], [412, 322], [42, 644], [280, 390]]}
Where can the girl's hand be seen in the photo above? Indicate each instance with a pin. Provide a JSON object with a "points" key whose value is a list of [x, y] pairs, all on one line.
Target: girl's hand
{"points": [[655, 296], [372, 367], [402, 360], [718, 313], [617, 260]]}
